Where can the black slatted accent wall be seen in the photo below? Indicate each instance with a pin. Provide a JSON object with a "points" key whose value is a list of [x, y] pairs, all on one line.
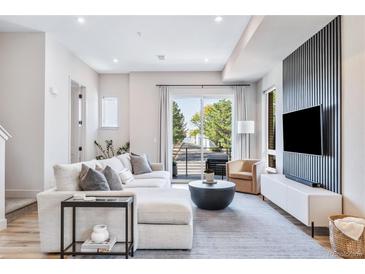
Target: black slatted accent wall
{"points": [[312, 76]]}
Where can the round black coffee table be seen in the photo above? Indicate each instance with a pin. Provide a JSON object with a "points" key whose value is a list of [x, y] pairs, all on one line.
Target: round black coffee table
{"points": [[212, 196]]}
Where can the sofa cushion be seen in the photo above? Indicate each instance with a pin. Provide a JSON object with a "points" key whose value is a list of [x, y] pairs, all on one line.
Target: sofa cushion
{"points": [[164, 206], [241, 175], [140, 164], [154, 174], [67, 175], [114, 163], [157, 166], [148, 183], [91, 179], [125, 159]]}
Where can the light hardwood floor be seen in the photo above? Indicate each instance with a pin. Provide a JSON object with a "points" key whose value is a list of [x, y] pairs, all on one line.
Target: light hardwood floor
{"points": [[21, 239]]}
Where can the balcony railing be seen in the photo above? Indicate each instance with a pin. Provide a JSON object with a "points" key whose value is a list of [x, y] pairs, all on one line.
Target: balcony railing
{"points": [[188, 162]]}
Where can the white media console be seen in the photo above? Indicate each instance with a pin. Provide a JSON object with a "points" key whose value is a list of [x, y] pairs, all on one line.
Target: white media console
{"points": [[310, 205]]}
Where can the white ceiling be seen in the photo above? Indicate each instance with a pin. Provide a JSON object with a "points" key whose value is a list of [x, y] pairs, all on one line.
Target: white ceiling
{"points": [[185, 40], [266, 41]]}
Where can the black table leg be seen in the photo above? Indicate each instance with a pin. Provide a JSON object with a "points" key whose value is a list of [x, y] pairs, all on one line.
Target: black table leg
{"points": [[73, 229], [312, 229], [126, 232], [132, 230], [62, 228]]}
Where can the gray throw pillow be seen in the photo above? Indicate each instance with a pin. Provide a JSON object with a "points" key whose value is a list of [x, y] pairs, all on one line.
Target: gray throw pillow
{"points": [[112, 178], [143, 155], [91, 179], [140, 164]]}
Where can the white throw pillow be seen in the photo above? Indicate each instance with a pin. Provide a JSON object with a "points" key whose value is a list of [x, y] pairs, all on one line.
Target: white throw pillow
{"points": [[114, 163], [126, 176], [126, 160], [67, 175]]}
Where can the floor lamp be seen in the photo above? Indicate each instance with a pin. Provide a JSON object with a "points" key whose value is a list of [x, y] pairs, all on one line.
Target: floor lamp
{"points": [[247, 128]]}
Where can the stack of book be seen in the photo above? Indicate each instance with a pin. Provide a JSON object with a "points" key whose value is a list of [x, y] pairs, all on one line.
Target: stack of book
{"points": [[90, 246]]}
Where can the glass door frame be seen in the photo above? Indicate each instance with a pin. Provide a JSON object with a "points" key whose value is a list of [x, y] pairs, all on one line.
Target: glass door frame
{"points": [[202, 94]]}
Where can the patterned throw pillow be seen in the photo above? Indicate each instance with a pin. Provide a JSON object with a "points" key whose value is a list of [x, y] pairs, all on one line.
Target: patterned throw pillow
{"points": [[126, 176], [125, 158], [91, 179]]}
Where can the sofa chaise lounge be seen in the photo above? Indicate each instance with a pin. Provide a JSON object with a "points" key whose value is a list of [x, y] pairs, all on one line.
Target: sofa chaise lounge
{"points": [[163, 216]]}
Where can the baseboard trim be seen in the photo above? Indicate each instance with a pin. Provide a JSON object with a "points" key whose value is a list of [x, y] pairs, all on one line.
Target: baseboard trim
{"points": [[21, 193], [3, 224]]}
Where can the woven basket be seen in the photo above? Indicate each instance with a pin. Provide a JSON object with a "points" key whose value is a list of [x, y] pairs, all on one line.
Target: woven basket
{"points": [[344, 246]]}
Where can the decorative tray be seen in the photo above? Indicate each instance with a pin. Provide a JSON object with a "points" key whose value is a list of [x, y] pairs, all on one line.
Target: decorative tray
{"points": [[209, 183]]}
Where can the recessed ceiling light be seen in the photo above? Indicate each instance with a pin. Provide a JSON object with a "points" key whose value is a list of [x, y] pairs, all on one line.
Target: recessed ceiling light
{"points": [[206, 60], [161, 57], [81, 20], [115, 60], [218, 19]]}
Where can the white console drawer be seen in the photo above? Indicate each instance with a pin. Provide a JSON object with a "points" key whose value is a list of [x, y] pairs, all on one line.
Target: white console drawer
{"points": [[274, 190], [298, 205], [305, 203]]}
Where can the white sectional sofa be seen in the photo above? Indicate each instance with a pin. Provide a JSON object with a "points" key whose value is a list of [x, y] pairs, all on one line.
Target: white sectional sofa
{"points": [[162, 215]]}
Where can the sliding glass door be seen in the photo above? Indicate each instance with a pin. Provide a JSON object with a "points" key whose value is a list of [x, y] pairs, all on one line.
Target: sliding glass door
{"points": [[202, 135]]}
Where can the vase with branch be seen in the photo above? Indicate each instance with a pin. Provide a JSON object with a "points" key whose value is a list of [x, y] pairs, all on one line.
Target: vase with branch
{"points": [[109, 151]]}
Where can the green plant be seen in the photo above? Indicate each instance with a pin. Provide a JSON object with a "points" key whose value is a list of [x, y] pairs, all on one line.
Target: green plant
{"points": [[109, 150], [179, 125], [217, 123], [123, 149]]}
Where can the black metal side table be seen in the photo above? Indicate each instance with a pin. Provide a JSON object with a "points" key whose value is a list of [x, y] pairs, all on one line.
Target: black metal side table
{"points": [[121, 248]]}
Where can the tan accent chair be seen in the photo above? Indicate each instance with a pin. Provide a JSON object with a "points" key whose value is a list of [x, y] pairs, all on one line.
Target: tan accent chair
{"points": [[245, 174]]}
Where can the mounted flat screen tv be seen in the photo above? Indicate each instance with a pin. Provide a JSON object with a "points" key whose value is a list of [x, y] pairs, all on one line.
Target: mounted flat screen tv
{"points": [[303, 131]]}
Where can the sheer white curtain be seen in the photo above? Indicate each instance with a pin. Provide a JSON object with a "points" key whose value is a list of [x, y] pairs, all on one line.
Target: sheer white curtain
{"points": [[239, 146], [165, 155]]}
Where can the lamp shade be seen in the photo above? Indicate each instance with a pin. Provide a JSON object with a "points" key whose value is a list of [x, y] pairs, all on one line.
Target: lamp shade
{"points": [[246, 127]]}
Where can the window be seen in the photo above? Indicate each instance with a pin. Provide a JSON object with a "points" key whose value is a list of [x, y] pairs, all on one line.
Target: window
{"points": [[109, 112], [271, 129]]}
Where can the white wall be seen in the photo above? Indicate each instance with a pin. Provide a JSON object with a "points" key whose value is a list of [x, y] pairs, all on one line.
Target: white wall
{"points": [[22, 110], [115, 85], [2, 182], [272, 79], [61, 66], [32, 63], [139, 105], [353, 114], [144, 102]]}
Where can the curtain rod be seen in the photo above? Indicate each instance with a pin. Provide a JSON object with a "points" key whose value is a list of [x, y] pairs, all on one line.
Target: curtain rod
{"points": [[205, 85]]}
